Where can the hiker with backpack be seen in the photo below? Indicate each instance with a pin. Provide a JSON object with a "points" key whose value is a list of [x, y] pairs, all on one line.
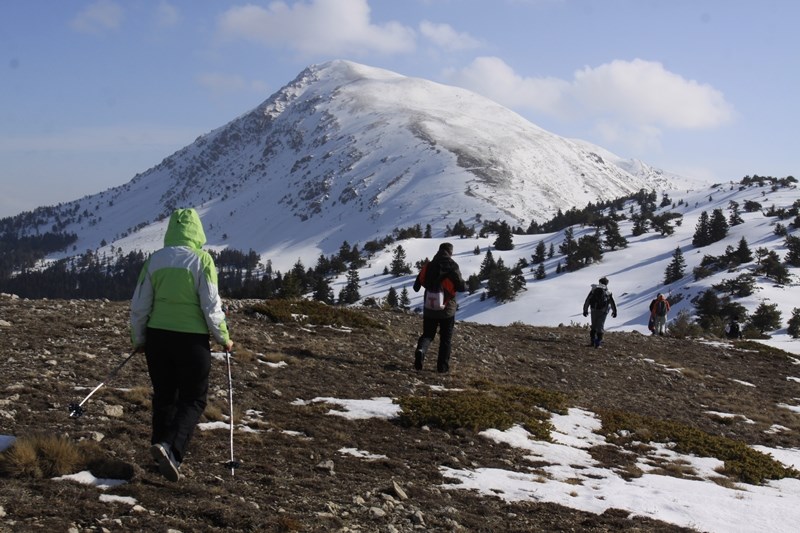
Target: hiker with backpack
{"points": [[659, 308], [441, 279], [733, 330], [599, 300]]}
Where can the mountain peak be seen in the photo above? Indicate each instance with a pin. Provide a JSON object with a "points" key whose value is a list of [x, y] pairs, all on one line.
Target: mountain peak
{"points": [[351, 152]]}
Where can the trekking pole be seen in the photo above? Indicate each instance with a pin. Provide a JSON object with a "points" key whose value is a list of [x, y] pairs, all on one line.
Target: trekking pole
{"points": [[232, 464], [76, 409]]}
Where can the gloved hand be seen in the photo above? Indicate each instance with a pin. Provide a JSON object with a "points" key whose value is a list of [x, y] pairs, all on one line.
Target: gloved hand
{"points": [[586, 313], [614, 314]]}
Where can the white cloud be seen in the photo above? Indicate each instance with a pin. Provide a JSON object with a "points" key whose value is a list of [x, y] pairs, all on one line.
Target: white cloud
{"points": [[318, 26], [167, 15], [493, 78], [100, 16], [444, 36], [628, 101], [644, 92], [226, 83]]}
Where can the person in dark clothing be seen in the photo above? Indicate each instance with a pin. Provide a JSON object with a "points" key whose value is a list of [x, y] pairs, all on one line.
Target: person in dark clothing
{"points": [[441, 279], [733, 330], [600, 300], [174, 310]]}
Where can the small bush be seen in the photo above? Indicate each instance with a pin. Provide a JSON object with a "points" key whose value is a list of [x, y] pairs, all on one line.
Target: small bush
{"points": [[741, 461], [683, 327], [483, 407]]}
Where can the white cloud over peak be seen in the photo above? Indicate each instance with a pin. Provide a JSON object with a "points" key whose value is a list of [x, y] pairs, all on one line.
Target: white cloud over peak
{"points": [[444, 36], [98, 17], [628, 101], [317, 26], [494, 78]]}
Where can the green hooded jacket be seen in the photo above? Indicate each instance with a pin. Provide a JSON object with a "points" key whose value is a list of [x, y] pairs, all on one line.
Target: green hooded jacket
{"points": [[177, 287]]}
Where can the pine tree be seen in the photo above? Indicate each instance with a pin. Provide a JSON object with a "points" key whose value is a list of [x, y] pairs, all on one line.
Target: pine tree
{"points": [[771, 266], [568, 245], [793, 255], [734, 219], [743, 253], [707, 308], [473, 283], [701, 235], [766, 317], [399, 265], [499, 285], [487, 266], [613, 238], [405, 301], [718, 226], [323, 291], [794, 324], [505, 238], [349, 293], [540, 272], [391, 298], [676, 269], [551, 251], [540, 253]]}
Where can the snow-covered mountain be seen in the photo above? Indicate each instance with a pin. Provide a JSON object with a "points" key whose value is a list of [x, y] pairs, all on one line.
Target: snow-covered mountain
{"points": [[347, 152]]}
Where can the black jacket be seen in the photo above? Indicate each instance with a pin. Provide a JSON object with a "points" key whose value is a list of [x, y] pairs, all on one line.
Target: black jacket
{"points": [[440, 267]]}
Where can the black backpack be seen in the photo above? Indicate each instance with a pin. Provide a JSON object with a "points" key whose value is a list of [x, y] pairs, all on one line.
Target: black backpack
{"points": [[599, 298]]}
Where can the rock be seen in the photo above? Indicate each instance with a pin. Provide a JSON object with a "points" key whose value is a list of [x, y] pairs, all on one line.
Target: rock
{"points": [[377, 512], [5, 324], [115, 411], [326, 466], [398, 491]]}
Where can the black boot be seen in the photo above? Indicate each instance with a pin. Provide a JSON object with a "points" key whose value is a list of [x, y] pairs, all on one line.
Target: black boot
{"points": [[419, 354]]}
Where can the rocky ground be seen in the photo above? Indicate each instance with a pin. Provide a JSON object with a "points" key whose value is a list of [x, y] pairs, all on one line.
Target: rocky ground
{"points": [[293, 476]]}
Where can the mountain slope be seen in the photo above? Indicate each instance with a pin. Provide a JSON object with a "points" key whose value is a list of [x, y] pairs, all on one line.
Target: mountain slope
{"points": [[636, 272], [350, 152]]}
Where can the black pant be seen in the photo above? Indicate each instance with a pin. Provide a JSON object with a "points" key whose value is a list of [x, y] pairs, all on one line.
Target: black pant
{"points": [[179, 364], [445, 327]]}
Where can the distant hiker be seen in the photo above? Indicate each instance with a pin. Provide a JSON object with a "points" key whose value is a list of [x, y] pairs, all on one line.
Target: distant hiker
{"points": [[659, 308], [600, 300], [174, 309], [733, 330], [441, 279]]}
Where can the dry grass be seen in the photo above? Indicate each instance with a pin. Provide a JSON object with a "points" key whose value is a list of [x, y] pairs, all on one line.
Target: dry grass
{"points": [[40, 456], [138, 395]]}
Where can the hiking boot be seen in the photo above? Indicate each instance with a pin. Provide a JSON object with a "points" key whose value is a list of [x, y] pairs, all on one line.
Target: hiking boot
{"points": [[167, 465], [418, 357]]}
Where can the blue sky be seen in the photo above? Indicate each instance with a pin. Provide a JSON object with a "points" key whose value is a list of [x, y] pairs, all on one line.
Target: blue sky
{"points": [[93, 92]]}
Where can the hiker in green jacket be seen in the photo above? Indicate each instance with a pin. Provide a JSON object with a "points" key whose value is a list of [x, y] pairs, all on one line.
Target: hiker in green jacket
{"points": [[174, 309]]}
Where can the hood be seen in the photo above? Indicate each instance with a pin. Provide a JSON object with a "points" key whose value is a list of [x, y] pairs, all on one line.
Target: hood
{"points": [[185, 229]]}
